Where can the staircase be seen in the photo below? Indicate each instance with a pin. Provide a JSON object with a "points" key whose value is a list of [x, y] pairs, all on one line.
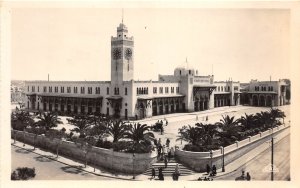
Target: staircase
{"points": [[184, 171]]}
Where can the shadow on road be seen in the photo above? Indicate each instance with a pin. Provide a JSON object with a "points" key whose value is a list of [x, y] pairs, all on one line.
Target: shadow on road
{"points": [[47, 158], [72, 169], [24, 151]]}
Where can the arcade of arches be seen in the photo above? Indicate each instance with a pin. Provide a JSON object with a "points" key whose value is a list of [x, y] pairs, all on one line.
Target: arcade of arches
{"points": [[159, 106], [65, 104]]}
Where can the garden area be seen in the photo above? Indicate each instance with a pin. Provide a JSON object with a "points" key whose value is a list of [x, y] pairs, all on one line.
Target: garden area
{"points": [[205, 137], [96, 130]]}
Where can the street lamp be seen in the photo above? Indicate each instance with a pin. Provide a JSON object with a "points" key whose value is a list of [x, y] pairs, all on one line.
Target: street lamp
{"points": [[223, 165], [211, 155], [133, 156]]}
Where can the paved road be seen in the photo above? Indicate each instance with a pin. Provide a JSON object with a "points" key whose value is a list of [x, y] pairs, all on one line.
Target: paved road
{"points": [[47, 169], [258, 166]]}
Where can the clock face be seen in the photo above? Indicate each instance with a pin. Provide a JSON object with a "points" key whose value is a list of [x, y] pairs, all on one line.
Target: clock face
{"points": [[128, 53], [117, 53]]}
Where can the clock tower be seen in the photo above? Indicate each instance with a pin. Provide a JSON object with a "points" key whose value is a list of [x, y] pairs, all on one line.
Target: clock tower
{"points": [[121, 56]]}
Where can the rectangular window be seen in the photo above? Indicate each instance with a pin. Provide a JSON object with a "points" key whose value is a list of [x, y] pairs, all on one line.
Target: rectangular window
{"points": [[32, 89], [97, 90], [68, 89], [82, 90], [166, 89], [125, 90], [28, 88], [45, 89], [38, 88], [155, 90], [75, 89], [62, 89], [50, 89], [177, 89], [236, 88], [161, 89], [90, 90], [107, 91], [172, 89]]}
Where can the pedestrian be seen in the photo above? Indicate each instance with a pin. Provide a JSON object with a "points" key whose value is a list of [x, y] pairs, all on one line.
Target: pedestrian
{"points": [[153, 173], [172, 152], [169, 154], [160, 174], [166, 162], [177, 169], [206, 118], [248, 177], [207, 169], [214, 170], [164, 150], [161, 130], [167, 122], [159, 142], [167, 142]]}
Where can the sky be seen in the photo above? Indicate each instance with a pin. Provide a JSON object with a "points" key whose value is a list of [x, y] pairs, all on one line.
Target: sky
{"points": [[74, 43]]}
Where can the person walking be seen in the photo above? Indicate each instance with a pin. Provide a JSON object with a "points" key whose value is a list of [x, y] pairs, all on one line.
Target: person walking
{"points": [[167, 142], [153, 173], [172, 152], [214, 170], [160, 174], [166, 162], [206, 118], [167, 122], [248, 177], [207, 169]]}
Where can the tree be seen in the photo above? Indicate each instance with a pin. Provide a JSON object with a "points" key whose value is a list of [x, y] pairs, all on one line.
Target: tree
{"points": [[117, 130], [209, 134], [86, 143], [189, 134], [20, 120], [82, 124], [23, 173], [248, 121], [229, 130], [140, 137], [48, 120], [56, 136], [276, 113]]}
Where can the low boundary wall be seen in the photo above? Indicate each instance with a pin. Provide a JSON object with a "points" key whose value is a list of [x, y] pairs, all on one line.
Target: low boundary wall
{"points": [[198, 160], [107, 158]]}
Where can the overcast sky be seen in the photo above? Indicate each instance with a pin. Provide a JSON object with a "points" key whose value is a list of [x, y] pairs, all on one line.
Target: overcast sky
{"points": [[74, 44]]}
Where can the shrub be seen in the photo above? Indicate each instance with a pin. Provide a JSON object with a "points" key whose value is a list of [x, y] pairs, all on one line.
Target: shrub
{"points": [[122, 146], [23, 173], [104, 144]]}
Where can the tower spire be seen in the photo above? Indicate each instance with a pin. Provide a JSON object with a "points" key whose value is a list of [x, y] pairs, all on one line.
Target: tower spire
{"points": [[122, 15]]}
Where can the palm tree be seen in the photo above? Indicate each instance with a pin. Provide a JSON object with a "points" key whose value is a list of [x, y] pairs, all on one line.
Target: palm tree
{"points": [[265, 120], [189, 134], [229, 130], [48, 120], [140, 136], [82, 125], [276, 113], [117, 130], [248, 121], [209, 134]]}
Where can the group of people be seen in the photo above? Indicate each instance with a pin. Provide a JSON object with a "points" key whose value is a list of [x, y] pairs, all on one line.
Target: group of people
{"points": [[164, 152], [175, 175], [211, 171], [243, 177]]}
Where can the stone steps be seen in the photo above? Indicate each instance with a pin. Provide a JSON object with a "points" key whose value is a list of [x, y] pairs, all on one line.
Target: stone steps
{"points": [[169, 170]]}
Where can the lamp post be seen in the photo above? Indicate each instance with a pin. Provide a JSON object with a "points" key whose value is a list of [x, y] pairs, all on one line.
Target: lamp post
{"points": [[223, 161], [211, 155], [133, 156]]}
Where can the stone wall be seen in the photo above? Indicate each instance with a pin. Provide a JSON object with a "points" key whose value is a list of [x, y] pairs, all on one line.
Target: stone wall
{"points": [[118, 162], [198, 160]]}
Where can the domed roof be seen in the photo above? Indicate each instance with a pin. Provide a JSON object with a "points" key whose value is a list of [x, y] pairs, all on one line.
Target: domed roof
{"points": [[185, 66]]}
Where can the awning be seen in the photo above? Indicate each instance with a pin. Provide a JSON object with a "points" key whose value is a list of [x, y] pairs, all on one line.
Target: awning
{"points": [[114, 98], [262, 92]]}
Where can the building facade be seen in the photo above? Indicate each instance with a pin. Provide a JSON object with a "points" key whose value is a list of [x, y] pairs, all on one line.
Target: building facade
{"points": [[264, 93], [184, 91]]}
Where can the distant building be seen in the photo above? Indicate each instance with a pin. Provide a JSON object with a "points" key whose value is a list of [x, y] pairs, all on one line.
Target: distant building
{"points": [[264, 93], [17, 93], [184, 91]]}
